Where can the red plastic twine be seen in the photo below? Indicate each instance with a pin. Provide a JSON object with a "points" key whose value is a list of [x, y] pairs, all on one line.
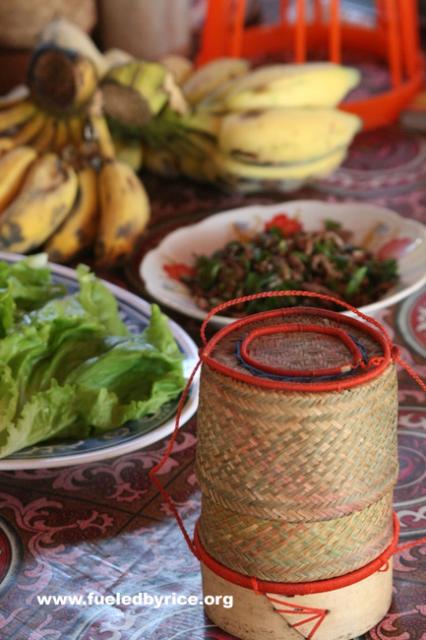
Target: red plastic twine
{"points": [[196, 547], [153, 472], [290, 293]]}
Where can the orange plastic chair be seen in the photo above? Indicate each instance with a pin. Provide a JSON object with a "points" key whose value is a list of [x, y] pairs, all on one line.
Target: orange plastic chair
{"points": [[306, 28]]}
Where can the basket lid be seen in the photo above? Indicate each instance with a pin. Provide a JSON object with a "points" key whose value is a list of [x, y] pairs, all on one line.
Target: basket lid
{"points": [[299, 348]]}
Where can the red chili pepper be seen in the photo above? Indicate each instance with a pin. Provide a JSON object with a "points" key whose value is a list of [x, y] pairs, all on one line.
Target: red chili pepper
{"points": [[287, 226], [395, 248], [178, 271]]}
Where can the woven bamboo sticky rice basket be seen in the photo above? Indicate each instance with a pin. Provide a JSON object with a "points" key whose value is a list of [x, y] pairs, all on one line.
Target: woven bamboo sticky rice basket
{"points": [[296, 471], [297, 460]]}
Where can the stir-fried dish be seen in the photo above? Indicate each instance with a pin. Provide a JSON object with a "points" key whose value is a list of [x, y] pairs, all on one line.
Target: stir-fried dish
{"points": [[283, 256]]}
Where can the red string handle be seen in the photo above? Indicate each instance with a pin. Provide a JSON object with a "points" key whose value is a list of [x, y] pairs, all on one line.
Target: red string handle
{"points": [[396, 356], [153, 472], [291, 293], [409, 545]]}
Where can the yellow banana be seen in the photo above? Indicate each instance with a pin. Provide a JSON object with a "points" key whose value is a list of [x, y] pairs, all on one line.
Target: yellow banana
{"points": [[102, 136], [180, 67], [16, 114], [233, 169], [6, 143], [13, 167], [78, 231], [286, 136], [46, 197], [30, 129], [44, 140], [125, 212], [61, 135], [210, 76], [315, 84], [76, 130]]}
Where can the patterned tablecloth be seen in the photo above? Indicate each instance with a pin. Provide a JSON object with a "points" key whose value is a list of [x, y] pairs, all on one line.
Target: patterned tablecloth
{"points": [[102, 528]]}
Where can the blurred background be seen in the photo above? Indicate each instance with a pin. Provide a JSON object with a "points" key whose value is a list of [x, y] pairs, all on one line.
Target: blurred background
{"points": [[144, 28]]}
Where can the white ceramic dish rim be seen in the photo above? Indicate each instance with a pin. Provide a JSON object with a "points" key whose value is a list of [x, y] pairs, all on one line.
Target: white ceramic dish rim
{"points": [[153, 257], [135, 444]]}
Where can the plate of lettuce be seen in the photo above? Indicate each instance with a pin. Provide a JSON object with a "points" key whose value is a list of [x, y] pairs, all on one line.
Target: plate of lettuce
{"points": [[88, 371]]}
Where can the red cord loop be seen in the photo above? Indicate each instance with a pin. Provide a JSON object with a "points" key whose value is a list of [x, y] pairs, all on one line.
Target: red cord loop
{"points": [[396, 353], [293, 327], [169, 448], [410, 545], [291, 293], [409, 369]]}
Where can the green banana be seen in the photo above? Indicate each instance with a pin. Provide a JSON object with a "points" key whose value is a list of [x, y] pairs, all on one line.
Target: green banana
{"points": [[202, 122], [135, 92], [130, 152]]}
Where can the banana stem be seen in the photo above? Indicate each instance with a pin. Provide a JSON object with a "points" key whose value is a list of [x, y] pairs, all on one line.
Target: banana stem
{"points": [[61, 81], [168, 131]]}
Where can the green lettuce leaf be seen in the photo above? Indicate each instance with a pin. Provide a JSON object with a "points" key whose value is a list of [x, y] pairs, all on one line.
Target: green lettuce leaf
{"points": [[29, 282], [46, 415], [99, 302], [71, 369]]}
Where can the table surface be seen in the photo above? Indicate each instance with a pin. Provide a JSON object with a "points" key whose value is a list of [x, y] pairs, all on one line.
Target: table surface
{"points": [[102, 528]]}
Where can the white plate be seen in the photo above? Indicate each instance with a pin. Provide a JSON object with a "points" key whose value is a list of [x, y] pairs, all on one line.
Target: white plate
{"points": [[372, 226], [132, 436]]}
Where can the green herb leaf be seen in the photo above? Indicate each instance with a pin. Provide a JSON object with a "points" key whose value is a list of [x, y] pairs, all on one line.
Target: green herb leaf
{"points": [[355, 282], [331, 225], [207, 271]]}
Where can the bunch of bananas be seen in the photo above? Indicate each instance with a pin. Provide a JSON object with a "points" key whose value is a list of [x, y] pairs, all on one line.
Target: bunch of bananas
{"points": [[69, 194], [64, 186], [270, 126]]}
